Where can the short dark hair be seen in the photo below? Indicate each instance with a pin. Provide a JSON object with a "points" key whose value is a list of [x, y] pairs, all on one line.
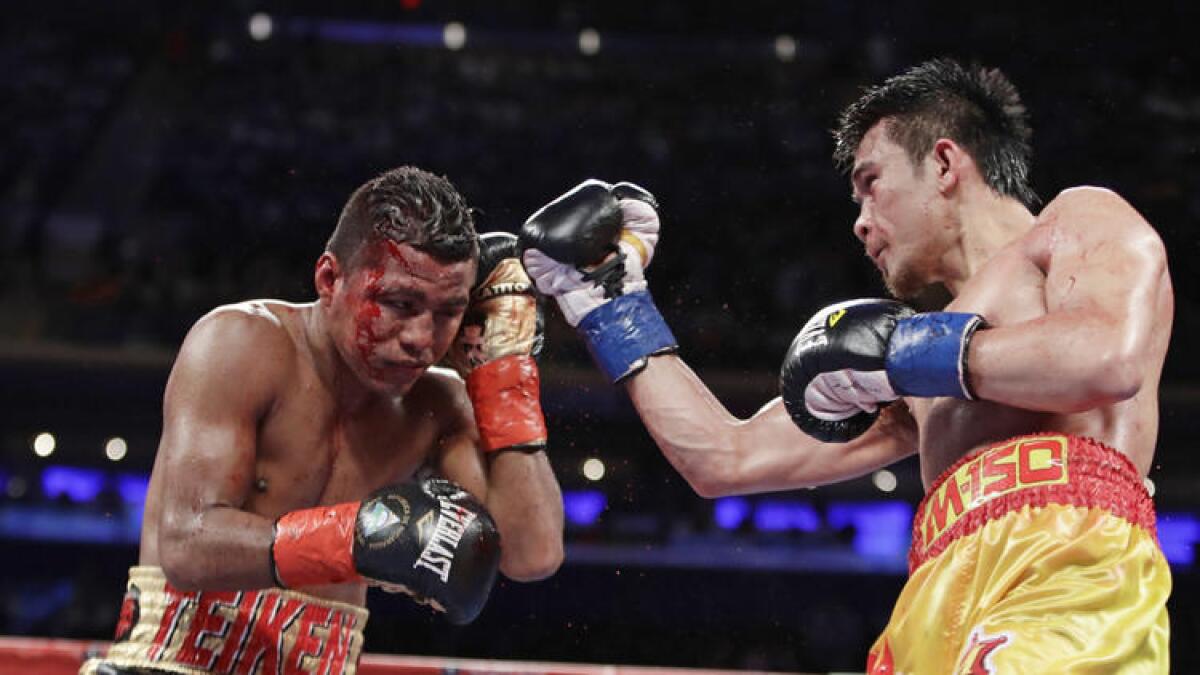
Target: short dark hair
{"points": [[976, 107], [407, 205]]}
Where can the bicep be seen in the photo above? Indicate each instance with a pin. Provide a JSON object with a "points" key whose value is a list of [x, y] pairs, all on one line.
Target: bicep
{"points": [[215, 397]]}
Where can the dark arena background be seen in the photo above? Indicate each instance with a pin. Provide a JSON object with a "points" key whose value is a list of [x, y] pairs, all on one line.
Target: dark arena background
{"points": [[159, 159]]}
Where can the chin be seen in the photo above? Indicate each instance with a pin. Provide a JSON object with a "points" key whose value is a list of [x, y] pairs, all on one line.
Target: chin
{"points": [[905, 288], [392, 388], [386, 386], [932, 298]]}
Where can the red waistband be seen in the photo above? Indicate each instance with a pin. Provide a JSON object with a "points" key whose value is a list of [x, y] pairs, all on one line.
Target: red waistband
{"points": [[1035, 471]]}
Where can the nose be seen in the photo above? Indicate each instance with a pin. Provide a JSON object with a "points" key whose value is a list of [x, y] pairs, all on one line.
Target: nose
{"points": [[862, 224], [416, 338]]}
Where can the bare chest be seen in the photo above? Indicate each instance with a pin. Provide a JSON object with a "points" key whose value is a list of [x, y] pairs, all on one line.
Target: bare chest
{"points": [[1009, 289], [309, 454]]}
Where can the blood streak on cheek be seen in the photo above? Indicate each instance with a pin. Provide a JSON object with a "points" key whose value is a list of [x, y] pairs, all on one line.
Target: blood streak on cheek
{"points": [[365, 318]]}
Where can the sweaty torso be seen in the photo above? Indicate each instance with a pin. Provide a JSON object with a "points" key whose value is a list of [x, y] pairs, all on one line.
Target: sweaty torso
{"points": [[1011, 288], [308, 453]]}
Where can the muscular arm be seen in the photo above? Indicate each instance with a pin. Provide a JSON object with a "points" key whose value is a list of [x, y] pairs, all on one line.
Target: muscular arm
{"points": [[214, 399], [1108, 312], [519, 490], [719, 454]]}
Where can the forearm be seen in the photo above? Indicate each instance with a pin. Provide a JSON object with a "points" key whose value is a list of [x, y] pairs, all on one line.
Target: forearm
{"points": [[1061, 363], [219, 547], [525, 501], [719, 454], [694, 431]]}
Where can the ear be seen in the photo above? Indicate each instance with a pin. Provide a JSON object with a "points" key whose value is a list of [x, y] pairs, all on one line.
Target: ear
{"points": [[326, 276], [949, 159]]}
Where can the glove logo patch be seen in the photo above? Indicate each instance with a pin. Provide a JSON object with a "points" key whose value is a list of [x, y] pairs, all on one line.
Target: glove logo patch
{"points": [[440, 489], [382, 521], [438, 554], [812, 336], [509, 278]]}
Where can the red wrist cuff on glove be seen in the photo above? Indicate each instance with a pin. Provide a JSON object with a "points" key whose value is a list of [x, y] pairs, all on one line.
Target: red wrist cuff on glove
{"points": [[315, 546], [508, 410]]}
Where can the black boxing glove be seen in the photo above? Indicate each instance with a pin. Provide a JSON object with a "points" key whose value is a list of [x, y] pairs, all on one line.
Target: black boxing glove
{"points": [[591, 245], [430, 539], [588, 249], [579, 228], [854, 357]]}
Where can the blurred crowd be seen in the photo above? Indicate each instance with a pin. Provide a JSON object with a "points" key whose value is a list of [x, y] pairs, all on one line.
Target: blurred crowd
{"points": [[151, 174]]}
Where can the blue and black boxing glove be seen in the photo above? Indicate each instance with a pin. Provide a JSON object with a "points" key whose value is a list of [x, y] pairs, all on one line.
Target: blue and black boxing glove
{"points": [[854, 357], [588, 250]]}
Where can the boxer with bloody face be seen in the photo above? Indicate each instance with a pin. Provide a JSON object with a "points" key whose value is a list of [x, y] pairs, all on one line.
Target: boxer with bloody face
{"points": [[312, 449]]}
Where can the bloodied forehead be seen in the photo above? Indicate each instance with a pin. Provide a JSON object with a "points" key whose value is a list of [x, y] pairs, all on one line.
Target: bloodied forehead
{"points": [[399, 267]]}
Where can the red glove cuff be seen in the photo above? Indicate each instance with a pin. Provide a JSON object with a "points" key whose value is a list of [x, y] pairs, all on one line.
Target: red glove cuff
{"points": [[315, 546], [508, 411]]}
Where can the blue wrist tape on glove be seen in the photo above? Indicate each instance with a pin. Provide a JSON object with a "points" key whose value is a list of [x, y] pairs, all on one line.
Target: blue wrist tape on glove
{"points": [[623, 332], [927, 354]]}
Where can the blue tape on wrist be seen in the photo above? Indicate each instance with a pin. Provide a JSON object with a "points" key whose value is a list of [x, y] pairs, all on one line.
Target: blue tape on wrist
{"points": [[927, 354], [623, 332]]}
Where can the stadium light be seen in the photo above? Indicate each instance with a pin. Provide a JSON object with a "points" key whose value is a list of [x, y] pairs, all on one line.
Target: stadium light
{"points": [[261, 26], [115, 448], [44, 444], [785, 48], [454, 35], [593, 469], [589, 41], [884, 480]]}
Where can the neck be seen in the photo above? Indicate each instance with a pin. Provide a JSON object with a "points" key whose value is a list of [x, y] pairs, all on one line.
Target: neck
{"points": [[348, 393], [987, 222]]}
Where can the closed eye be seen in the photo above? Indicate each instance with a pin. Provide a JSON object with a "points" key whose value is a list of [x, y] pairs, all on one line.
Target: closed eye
{"points": [[403, 307]]}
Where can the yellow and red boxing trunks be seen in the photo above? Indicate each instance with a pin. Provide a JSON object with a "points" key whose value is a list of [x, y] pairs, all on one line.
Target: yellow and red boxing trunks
{"points": [[165, 630], [1036, 555]]}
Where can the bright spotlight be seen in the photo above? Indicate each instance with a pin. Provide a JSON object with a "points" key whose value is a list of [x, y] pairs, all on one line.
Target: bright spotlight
{"points": [[785, 48], [261, 26], [589, 41], [593, 469], [454, 35], [115, 448], [44, 444], [884, 480]]}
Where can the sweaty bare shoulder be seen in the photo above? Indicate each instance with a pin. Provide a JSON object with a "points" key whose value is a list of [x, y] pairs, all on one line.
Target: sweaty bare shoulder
{"points": [[245, 349], [1096, 227], [1093, 213]]}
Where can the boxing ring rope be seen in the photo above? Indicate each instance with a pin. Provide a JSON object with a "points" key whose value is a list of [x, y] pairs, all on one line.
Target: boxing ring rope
{"points": [[38, 656]]}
